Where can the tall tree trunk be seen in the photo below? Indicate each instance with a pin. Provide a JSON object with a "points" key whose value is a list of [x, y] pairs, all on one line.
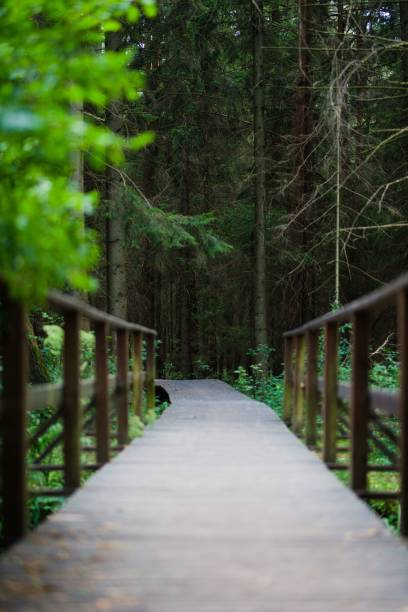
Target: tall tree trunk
{"points": [[115, 234], [187, 285], [259, 158], [403, 8], [117, 273], [303, 129]]}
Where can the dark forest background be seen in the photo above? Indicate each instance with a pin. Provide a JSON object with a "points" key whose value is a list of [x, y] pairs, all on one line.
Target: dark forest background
{"points": [[276, 186]]}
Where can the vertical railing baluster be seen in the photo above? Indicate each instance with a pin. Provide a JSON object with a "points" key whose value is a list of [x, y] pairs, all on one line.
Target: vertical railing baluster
{"points": [[312, 338], [102, 393], [330, 393], [71, 403], [122, 347], [298, 417], [137, 375], [402, 303], [288, 396], [13, 419], [360, 400], [150, 371]]}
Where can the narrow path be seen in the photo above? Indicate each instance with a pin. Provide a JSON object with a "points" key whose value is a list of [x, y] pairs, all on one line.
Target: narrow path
{"points": [[219, 508]]}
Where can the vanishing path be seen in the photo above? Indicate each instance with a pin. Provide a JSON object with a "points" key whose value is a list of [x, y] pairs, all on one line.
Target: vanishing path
{"points": [[218, 508]]}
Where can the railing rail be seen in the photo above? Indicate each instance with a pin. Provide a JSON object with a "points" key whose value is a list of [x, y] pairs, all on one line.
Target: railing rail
{"points": [[82, 406], [365, 420]]}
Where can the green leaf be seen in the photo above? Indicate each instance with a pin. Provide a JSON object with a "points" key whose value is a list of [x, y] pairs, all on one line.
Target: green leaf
{"points": [[142, 140], [19, 120]]}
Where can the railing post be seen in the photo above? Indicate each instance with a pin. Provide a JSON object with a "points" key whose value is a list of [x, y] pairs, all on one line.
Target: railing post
{"points": [[72, 401], [102, 393], [298, 417], [288, 397], [312, 338], [330, 393], [150, 372], [360, 400], [122, 347], [137, 374], [402, 304], [13, 419]]}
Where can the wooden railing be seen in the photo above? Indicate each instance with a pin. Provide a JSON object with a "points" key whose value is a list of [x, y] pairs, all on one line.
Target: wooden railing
{"points": [[82, 407], [369, 418]]}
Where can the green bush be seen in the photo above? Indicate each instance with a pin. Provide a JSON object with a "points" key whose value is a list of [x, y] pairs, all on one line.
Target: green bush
{"points": [[53, 345], [51, 64]]}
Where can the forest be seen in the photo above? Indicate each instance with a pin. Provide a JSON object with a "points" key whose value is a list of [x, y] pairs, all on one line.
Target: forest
{"points": [[221, 172], [275, 188], [218, 171]]}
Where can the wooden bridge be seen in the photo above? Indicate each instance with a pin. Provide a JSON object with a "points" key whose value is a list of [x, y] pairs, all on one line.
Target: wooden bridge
{"points": [[219, 507]]}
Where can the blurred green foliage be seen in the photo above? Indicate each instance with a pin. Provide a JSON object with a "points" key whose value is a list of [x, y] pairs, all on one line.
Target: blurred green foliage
{"points": [[53, 61]]}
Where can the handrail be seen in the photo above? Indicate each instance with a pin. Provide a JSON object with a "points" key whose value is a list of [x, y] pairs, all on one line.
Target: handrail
{"points": [[383, 400], [376, 299], [77, 403], [51, 394], [367, 407], [67, 303]]}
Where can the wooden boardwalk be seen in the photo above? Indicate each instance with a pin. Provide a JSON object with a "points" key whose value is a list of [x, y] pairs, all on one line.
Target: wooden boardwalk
{"points": [[218, 508]]}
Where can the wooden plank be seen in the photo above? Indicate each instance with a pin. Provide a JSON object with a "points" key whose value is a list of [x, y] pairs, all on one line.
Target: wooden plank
{"points": [[150, 372], [137, 375], [71, 405], [50, 395], [60, 468], [122, 401], [300, 357], [402, 305], [385, 430], [384, 401], [383, 448], [44, 427], [13, 419], [92, 449], [50, 447], [289, 391], [330, 393], [370, 468], [312, 338], [360, 400], [50, 492], [102, 393]]}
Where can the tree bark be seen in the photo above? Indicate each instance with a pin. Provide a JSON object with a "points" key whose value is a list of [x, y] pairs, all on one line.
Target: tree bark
{"points": [[302, 136], [115, 234], [187, 288], [403, 7], [259, 159]]}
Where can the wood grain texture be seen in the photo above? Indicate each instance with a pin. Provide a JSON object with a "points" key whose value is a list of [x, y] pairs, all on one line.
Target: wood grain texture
{"points": [[218, 508], [13, 442], [330, 393], [71, 402], [360, 401], [288, 394], [312, 392]]}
